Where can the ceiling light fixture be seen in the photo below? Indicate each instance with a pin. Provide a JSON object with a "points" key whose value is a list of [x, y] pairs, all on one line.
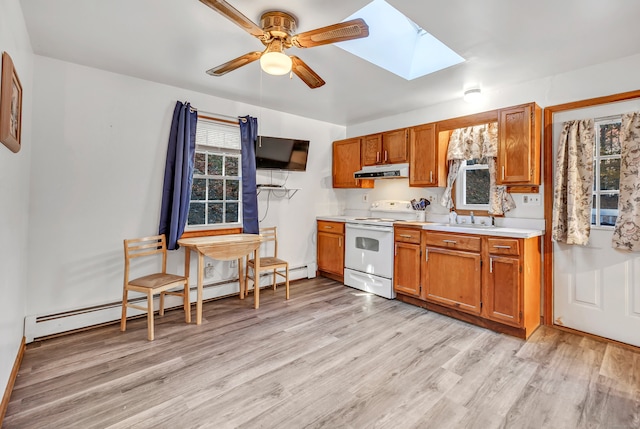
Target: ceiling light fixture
{"points": [[274, 61], [472, 95]]}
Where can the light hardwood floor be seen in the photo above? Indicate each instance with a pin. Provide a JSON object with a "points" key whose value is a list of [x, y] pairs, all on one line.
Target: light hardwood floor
{"points": [[330, 357]]}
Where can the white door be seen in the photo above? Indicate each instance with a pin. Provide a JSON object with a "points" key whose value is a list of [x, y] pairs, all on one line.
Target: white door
{"points": [[597, 289]]}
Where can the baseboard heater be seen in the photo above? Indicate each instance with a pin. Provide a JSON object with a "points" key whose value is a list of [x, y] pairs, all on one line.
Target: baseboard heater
{"points": [[41, 327]]}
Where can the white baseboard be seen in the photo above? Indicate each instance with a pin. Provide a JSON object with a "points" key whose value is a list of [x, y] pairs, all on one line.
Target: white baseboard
{"points": [[36, 327]]}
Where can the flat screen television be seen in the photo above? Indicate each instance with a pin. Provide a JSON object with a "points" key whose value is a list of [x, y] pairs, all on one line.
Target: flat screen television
{"points": [[277, 153]]}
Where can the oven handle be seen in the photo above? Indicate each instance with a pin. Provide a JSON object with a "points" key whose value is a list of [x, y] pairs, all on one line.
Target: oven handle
{"points": [[369, 227]]}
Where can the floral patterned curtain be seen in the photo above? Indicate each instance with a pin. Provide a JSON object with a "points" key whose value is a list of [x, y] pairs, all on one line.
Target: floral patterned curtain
{"points": [[478, 142], [572, 195], [626, 234]]}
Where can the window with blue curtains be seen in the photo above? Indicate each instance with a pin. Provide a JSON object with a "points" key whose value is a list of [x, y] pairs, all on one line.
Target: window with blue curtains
{"points": [[178, 174], [248, 135]]}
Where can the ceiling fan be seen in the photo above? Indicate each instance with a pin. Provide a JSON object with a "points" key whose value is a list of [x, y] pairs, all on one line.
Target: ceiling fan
{"points": [[276, 33]]}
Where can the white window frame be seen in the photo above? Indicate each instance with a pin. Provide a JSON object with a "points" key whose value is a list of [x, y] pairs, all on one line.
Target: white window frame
{"points": [[461, 188], [597, 192], [219, 141]]}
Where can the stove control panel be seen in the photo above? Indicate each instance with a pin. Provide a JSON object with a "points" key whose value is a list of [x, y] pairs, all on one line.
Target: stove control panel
{"points": [[391, 206]]}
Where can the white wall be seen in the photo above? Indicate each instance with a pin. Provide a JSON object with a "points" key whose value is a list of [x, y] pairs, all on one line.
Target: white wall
{"points": [[14, 196], [98, 162]]}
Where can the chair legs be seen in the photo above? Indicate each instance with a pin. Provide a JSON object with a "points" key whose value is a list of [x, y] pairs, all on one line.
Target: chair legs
{"points": [[123, 319], [150, 315]]}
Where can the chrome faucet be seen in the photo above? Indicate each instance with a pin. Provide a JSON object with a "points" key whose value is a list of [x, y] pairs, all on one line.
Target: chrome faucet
{"points": [[472, 218]]}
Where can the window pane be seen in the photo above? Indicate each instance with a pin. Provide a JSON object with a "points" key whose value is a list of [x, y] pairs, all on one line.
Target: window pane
{"points": [[609, 139], [610, 174], [231, 166], [199, 189], [216, 191], [594, 211], [196, 213], [215, 165], [199, 166], [608, 209], [477, 186], [232, 212], [233, 188], [215, 213]]}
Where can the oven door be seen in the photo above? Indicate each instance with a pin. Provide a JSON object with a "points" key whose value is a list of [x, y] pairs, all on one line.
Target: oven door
{"points": [[369, 249]]}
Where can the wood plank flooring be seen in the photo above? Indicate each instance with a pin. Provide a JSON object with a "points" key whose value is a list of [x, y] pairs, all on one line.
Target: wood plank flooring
{"points": [[330, 357]]}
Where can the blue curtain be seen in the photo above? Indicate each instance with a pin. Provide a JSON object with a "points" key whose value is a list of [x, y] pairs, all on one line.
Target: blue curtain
{"points": [[248, 135], [178, 174]]}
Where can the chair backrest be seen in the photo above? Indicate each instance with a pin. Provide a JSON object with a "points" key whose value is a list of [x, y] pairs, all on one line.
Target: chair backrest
{"points": [[145, 246], [268, 235]]}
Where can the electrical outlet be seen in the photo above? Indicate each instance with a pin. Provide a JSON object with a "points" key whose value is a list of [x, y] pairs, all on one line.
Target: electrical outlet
{"points": [[531, 199], [365, 198], [208, 271], [233, 263]]}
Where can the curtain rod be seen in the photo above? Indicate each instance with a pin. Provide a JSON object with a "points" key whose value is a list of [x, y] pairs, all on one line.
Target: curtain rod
{"points": [[218, 115]]}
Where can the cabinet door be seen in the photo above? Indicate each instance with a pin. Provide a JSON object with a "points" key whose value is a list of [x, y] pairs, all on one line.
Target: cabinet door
{"points": [[372, 149], [453, 278], [394, 147], [519, 146], [406, 268], [423, 147], [346, 161], [503, 293], [331, 253]]}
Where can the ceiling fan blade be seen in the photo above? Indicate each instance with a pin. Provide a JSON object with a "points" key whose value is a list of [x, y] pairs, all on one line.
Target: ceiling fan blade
{"points": [[304, 72], [232, 14], [234, 64], [354, 29]]}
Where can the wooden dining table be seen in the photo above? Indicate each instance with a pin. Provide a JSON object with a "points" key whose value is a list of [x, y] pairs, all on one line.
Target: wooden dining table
{"points": [[223, 248]]}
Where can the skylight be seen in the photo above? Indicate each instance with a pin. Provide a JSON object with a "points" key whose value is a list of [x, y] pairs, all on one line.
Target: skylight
{"points": [[398, 44]]}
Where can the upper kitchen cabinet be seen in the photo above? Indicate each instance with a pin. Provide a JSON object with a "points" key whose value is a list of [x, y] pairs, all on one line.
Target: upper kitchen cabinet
{"points": [[519, 145], [427, 156], [346, 161], [389, 147]]}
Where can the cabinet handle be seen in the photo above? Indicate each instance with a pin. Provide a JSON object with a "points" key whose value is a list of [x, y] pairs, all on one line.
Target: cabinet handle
{"points": [[450, 241], [491, 265], [426, 254], [431, 176], [497, 246], [395, 250], [405, 235], [377, 157], [503, 172], [328, 227], [385, 156], [339, 241]]}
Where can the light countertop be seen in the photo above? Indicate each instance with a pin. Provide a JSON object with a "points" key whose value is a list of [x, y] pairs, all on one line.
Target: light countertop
{"points": [[498, 231]]}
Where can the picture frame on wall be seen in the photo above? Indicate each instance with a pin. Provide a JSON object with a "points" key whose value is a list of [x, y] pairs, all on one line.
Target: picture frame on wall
{"points": [[10, 105]]}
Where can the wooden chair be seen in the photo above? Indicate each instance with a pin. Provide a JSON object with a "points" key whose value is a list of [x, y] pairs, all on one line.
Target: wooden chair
{"points": [[151, 284], [268, 263]]}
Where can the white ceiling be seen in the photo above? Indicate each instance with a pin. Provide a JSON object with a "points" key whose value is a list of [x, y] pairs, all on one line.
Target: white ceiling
{"points": [[176, 41]]}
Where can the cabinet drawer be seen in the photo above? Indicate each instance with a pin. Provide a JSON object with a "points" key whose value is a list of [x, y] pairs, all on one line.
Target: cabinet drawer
{"points": [[453, 241], [407, 235], [333, 227], [503, 246]]}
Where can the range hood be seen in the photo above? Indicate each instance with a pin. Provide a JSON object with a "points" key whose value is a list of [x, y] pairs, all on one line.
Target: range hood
{"points": [[386, 171]]}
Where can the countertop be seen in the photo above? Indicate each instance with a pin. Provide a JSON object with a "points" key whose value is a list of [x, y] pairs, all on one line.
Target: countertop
{"points": [[498, 231]]}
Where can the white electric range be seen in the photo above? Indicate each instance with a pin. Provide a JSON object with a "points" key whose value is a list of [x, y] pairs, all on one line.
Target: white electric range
{"points": [[369, 247]]}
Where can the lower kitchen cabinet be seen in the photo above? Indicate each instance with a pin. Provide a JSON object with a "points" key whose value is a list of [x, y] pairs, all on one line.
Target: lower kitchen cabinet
{"points": [[331, 249], [406, 262], [452, 278], [511, 292], [490, 281]]}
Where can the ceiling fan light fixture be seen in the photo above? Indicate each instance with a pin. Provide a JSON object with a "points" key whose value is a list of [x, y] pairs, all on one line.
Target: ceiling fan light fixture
{"points": [[275, 63]]}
